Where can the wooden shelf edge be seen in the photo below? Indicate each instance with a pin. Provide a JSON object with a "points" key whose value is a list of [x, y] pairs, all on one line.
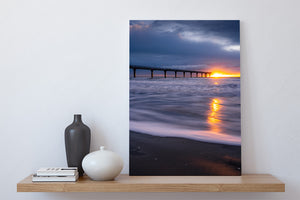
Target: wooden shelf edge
{"points": [[125, 183]]}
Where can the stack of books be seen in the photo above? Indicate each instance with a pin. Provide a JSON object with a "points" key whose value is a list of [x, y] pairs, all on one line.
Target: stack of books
{"points": [[68, 174]]}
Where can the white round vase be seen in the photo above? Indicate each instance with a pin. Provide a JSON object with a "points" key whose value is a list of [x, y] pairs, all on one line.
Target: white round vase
{"points": [[102, 165]]}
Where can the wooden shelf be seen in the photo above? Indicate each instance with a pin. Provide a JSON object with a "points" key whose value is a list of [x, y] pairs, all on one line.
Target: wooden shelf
{"points": [[125, 183]]}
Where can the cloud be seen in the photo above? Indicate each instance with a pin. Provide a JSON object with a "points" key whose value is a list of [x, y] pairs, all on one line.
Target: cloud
{"points": [[225, 30], [232, 48], [201, 37], [188, 43]]}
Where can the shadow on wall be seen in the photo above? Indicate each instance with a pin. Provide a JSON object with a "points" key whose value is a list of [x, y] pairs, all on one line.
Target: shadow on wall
{"points": [[247, 118], [97, 137]]}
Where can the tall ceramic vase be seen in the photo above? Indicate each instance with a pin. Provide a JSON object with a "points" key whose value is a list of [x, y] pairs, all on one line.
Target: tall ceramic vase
{"points": [[77, 142]]}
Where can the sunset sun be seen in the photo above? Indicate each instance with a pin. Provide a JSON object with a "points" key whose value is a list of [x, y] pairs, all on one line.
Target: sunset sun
{"points": [[224, 75]]}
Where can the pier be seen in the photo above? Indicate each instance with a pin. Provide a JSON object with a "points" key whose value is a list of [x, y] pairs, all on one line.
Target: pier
{"points": [[186, 73]]}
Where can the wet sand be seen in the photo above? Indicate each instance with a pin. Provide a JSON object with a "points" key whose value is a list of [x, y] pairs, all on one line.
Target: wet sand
{"points": [[154, 155]]}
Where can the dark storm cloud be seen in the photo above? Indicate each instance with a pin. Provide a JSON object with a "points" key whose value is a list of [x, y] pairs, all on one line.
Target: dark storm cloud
{"points": [[228, 29], [185, 43]]}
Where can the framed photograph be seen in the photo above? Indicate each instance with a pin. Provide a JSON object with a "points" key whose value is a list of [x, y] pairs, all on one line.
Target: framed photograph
{"points": [[185, 114]]}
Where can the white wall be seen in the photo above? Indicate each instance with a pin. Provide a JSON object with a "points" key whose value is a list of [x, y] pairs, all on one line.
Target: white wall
{"points": [[60, 57]]}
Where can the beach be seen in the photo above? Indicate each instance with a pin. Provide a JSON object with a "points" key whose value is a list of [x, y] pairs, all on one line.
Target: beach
{"points": [[185, 126], [155, 155]]}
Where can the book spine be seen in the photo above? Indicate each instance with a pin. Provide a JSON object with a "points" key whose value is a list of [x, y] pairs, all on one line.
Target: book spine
{"points": [[56, 173], [36, 178]]}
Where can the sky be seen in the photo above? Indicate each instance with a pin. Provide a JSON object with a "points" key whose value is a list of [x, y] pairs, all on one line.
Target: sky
{"points": [[194, 44]]}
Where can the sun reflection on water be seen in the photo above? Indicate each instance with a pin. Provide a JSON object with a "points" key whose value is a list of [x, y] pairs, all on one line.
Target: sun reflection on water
{"points": [[213, 118]]}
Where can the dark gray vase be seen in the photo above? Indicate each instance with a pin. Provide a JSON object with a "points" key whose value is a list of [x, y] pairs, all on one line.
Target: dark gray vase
{"points": [[77, 141]]}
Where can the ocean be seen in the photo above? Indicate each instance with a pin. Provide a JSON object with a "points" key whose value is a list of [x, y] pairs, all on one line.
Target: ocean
{"points": [[202, 109]]}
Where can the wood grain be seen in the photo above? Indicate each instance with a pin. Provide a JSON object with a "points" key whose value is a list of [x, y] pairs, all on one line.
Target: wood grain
{"points": [[125, 183]]}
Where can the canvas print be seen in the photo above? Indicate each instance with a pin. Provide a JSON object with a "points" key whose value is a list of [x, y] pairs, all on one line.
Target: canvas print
{"points": [[185, 115]]}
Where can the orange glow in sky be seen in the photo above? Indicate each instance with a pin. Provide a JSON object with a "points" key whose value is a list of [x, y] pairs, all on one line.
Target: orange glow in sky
{"points": [[223, 71], [223, 75]]}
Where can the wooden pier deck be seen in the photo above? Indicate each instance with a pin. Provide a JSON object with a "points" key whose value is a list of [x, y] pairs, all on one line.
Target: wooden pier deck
{"points": [[165, 70]]}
